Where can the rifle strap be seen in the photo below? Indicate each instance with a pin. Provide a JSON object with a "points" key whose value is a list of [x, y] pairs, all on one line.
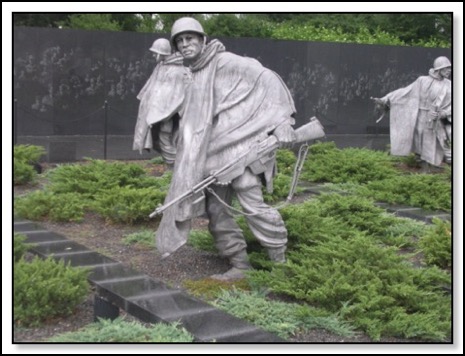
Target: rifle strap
{"points": [[295, 179], [239, 212], [301, 157]]}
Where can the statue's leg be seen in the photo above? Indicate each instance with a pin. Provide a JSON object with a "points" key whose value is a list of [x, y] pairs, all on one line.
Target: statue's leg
{"points": [[264, 221], [228, 236]]}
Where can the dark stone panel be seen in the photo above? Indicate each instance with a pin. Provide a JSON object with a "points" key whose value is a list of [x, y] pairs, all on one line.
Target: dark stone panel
{"points": [[218, 326], [64, 151], [253, 336], [174, 306], [43, 236], [26, 226], [103, 309], [59, 247], [85, 259], [62, 78], [112, 272], [145, 288]]}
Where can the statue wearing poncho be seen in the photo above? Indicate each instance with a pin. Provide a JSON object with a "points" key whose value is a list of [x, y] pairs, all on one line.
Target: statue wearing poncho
{"points": [[231, 102]]}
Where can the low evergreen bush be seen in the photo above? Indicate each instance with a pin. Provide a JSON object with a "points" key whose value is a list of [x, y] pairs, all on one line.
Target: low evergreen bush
{"points": [[326, 163], [24, 159], [127, 204], [19, 247], [120, 192], [43, 204], [427, 191], [201, 240], [44, 289], [436, 244], [337, 261]]}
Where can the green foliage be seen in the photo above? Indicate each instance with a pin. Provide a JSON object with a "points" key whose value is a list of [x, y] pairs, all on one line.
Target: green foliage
{"points": [[93, 22], [201, 240], [285, 160], [145, 238], [127, 204], [356, 212], [436, 244], [210, 289], [67, 207], [147, 23], [121, 331], [397, 29], [429, 30], [411, 161], [97, 175], [157, 160], [22, 172], [372, 174], [283, 319], [28, 153], [427, 191], [336, 261], [34, 206], [404, 232], [368, 285], [120, 192], [335, 34], [19, 247], [40, 205], [45, 288], [39, 19], [358, 165], [334, 214], [24, 157], [244, 25], [281, 187]]}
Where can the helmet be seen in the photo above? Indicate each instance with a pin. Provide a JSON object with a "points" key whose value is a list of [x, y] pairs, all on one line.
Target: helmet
{"points": [[441, 62], [161, 46], [185, 24]]}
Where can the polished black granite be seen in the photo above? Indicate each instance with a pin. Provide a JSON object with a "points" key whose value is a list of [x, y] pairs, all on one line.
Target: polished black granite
{"points": [[42, 237], [86, 259], [112, 272], [60, 248], [26, 226]]}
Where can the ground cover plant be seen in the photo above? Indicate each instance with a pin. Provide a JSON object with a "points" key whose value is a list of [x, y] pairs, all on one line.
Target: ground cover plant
{"points": [[352, 267]]}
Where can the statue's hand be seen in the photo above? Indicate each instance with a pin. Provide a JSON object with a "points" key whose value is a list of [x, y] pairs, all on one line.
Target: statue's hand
{"points": [[443, 115], [285, 134], [379, 103]]}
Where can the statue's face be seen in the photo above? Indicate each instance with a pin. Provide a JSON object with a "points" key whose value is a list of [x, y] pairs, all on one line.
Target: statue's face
{"points": [[445, 72], [190, 45]]}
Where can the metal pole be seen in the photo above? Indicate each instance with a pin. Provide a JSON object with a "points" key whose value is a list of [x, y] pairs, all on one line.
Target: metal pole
{"points": [[105, 130], [15, 122]]}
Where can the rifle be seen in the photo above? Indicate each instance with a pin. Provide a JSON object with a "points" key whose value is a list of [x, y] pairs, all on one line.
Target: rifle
{"points": [[310, 131]]}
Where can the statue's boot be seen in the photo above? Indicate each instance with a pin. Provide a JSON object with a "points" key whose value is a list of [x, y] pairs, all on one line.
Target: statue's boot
{"points": [[277, 254], [240, 264]]}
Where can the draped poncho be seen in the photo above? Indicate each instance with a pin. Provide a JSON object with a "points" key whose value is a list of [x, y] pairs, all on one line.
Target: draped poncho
{"points": [[413, 103], [231, 102]]}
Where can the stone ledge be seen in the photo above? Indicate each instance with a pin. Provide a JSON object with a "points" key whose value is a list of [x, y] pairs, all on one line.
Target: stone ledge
{"points": [[142, 296]]}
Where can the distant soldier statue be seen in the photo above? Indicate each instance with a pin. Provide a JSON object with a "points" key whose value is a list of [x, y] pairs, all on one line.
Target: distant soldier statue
{"points": [[161, 100], [420, 116]]}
